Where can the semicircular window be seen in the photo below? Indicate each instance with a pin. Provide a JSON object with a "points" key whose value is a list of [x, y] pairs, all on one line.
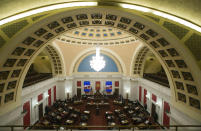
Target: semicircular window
{"points": [[110, 65]]}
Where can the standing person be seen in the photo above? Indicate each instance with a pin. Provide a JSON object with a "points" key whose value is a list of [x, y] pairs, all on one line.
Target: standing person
{"points": [[97, 110]]}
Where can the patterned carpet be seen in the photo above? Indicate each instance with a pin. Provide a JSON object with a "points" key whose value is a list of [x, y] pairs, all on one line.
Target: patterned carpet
{"points": [[95, 119]]}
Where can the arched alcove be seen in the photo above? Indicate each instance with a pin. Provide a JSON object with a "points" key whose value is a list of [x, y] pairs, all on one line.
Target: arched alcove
{"points": [[56, 60], [114, 63], [110, 65], [139, 60], [40, 70]]}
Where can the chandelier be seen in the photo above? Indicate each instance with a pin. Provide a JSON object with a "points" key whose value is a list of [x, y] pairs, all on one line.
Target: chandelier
{"points": [[97, 63]]}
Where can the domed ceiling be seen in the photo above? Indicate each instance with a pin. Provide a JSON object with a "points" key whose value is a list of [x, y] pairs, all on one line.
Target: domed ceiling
{"points": [[96, 35]]}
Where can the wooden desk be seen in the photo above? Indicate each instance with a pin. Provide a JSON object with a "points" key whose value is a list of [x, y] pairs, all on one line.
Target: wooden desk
{"points": [[124, 122], [69, 122], [100, 105]]}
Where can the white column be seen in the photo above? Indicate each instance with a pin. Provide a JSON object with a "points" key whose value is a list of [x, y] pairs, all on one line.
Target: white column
{"points": [[61, 94], [159, 110], [34, 110], [69, 88], [126, 88], [45, 100], [63, 87], [134, 90], [149, 102]]}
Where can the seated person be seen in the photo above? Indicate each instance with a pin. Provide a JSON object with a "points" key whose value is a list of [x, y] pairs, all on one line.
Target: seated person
{"points": [[84, 118], [108, 113], [73, 116], [122, 117], [117, 111], [47, 109], [77, 111], [98, 94], [82, 124], [124, 122], [136, 120], [155, 116], [69, 122], [87, 113], [84, 97], [110, 118], [111, 124]]}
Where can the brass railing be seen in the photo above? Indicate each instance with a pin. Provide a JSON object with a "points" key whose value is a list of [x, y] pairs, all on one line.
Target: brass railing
{"points": [[119, 127]]}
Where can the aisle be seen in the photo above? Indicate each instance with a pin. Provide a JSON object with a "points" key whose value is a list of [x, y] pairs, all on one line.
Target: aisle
{"points": [[99, 119]]}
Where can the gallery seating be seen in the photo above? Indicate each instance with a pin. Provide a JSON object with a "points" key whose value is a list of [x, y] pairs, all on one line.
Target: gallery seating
{"points": [[35, 78]]}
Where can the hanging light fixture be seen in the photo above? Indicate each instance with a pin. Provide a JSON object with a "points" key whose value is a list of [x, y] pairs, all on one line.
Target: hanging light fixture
{"points": [[97, 63]]}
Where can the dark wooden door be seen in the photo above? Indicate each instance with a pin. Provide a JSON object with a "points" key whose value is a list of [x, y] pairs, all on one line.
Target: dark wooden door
{"points": [[26, 109], [79, 92], [55, 93], [153, 112], [153, 109], [116, 92], [166, 118], [49, 97], [40, 109]]}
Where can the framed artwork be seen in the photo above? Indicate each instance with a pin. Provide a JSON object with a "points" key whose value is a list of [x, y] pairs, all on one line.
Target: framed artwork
{"points": [[116, 83], [97, 85], [78, 83]]}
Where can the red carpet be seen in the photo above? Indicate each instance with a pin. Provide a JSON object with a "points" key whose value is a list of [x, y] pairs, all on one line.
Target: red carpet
{"points": [[98, 120], [95, 119]]}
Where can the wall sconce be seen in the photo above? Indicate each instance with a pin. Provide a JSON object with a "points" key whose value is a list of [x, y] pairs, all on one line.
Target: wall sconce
{"points": [[158, 104], [46, 95], [36, 105], [126, 95], [147, 96], [68, 95], [127, 90], [67, 90]]}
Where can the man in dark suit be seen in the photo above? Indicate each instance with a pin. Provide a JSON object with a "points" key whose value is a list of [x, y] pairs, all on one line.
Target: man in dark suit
{"points": [[97, 110]]}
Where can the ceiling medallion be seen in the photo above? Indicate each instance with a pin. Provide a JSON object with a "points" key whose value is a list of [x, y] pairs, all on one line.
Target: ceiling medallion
{"points": [[97, 63]]}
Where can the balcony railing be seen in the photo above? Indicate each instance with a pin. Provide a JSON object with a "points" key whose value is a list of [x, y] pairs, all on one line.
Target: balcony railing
{"points": [[157, 78], [33, 79], [118, 127]]}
